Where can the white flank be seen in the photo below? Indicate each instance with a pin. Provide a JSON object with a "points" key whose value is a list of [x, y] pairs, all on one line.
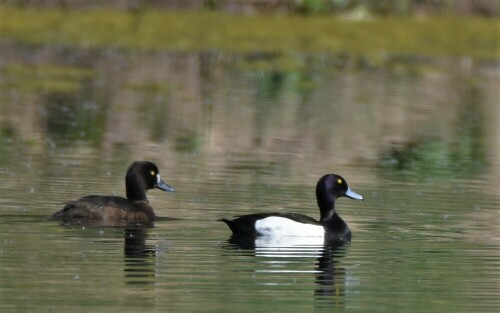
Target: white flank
{"points": [[280, 226]]}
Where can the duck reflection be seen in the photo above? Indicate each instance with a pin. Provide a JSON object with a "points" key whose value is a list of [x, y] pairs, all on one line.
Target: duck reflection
{"points": [[330, 277], [140, 257]]}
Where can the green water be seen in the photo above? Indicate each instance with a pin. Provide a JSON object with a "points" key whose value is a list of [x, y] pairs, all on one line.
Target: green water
{"points": [[239, 133]]}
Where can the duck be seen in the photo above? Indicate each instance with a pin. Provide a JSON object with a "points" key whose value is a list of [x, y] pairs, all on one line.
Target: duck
{"points": [[330, 226], [140, 177]]}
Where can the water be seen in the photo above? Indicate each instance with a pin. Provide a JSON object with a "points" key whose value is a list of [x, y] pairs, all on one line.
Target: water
{"points": [[235, 135]]}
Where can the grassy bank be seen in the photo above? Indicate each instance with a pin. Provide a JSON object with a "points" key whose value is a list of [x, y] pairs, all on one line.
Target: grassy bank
{"points": [[199, 30]]}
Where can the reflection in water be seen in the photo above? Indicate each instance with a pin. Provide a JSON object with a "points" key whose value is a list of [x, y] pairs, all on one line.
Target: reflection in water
{"points": [[139, 257], [330, 278], [250, 135], [129, 101], [464, 155]]}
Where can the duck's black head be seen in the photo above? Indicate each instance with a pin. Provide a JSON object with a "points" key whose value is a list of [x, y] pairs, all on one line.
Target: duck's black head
{"points": [[141, 176], [329, 188]]}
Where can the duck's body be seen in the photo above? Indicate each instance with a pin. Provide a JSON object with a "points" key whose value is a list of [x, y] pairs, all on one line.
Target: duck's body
{"points": [[331, 225], [274, 223], [141, 176], [107, 208]]}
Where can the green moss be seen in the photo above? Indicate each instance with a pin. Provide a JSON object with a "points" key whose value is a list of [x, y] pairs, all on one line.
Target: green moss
{"points": [[44, 78], [153, 88], [201, 30]]}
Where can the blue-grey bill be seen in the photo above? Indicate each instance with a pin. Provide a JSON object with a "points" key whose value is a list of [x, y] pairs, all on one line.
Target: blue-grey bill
{"points": [[351, 194], [161, 185]]}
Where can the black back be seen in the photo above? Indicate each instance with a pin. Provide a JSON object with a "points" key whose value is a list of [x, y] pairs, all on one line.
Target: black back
{"points": [[245, 225], [329, 188]]}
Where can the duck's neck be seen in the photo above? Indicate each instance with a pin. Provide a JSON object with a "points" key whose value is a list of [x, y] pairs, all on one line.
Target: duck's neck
{"points": [[326, 204], [334, 225], [337, 227], [136, 190], [327, 213]]}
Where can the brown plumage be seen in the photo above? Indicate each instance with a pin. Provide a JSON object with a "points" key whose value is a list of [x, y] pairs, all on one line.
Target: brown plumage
{"points": [[113, 210]]}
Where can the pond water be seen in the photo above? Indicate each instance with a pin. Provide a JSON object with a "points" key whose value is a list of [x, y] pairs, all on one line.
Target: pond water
{"points": [[238, 134]]}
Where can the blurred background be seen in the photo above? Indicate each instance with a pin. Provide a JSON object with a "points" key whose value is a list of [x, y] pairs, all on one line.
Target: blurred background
{"points": [[244, 104], [385, 83]]}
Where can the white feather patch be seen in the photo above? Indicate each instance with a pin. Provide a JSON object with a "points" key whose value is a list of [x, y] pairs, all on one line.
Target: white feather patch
{"points": [[280, 226]]}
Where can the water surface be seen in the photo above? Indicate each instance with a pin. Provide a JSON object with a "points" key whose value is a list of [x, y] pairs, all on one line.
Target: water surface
{"points": [[236, 134]]}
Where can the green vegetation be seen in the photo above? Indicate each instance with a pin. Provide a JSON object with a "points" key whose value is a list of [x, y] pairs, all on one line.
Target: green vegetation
{"points": [[201, 30], [436, 158], [70, 119], [44, 78]]}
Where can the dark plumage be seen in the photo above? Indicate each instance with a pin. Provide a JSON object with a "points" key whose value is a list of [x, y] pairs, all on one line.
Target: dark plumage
{"points": [[331, 225], [141, 176]]}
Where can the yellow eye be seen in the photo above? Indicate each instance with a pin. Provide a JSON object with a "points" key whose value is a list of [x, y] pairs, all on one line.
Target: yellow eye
{"points": [[339, 181], [153, 173]]}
